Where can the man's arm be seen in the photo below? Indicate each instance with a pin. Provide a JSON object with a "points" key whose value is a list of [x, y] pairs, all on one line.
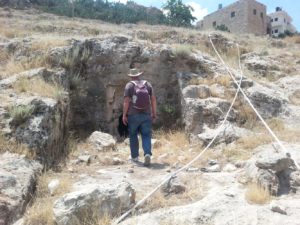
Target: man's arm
{"points": [[125, 110], [153, 107]]}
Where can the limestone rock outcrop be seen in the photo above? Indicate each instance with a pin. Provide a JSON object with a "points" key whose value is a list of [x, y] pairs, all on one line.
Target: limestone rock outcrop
{"points": [[18, 178], [271, 169], [91, 200]]}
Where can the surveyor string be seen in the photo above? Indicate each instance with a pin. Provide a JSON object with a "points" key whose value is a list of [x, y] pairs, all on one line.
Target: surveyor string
{"points": [[251, 105], [218, 131]]}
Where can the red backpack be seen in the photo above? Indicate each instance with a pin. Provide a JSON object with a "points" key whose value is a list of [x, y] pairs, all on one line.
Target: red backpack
{"points": [[141, 96]]}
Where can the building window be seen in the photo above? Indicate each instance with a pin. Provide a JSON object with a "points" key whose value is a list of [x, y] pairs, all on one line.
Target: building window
{"points": [[276, 19], [214, 24], [232, 14], [254, 11], [262, 15], [272, 20], [284, 20], [272, 32], [276, 31]]}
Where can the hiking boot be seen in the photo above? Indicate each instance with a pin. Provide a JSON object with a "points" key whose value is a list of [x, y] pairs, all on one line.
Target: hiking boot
{"points": [[136, 159], [147, 160]]}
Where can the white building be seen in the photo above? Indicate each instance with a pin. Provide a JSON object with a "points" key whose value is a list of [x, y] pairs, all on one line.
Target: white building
{"points": [[280, 22]]}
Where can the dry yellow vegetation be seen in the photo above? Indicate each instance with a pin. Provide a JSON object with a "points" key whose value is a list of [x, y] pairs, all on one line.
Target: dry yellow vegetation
{"points": [[41, 211], [46, 43], [13, 66], [40, 87], [255, 194], [12, 146]]}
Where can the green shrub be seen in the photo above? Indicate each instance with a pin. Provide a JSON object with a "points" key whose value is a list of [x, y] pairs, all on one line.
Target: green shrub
{"points": [[20, 113], [223, 27], [183, 51]]}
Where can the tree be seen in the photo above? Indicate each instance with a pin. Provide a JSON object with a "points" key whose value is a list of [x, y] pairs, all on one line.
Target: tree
{"points": [[222, 27], [179, 14]]}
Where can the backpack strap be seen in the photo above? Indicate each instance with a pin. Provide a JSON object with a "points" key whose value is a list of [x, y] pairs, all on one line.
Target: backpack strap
{"points": [[133, 82]]}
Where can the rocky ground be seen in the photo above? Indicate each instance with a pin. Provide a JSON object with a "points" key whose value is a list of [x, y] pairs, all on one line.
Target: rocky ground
{"points": [[62, 161]]}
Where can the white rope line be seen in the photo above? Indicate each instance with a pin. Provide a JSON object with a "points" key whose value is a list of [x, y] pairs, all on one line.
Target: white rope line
{"points": [[126, 214], [251, 105]]}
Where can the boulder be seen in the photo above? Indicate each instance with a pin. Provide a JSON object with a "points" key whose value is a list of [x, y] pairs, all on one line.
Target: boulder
{"points": [[228, 134], [271, 169], [196, 91], [18, 177], [200, 112], [173, 186], [93, 200], [269, 102], [53, 185], [278, 209], [102, 141]]}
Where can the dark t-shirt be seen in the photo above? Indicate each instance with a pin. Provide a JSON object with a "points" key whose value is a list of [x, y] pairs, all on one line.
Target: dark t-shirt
{"points": [[129, 91]]}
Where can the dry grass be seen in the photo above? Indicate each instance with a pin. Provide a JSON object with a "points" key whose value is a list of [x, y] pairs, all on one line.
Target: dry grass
{"points": [[12, 146], [3, 56], [295, 98], [40, 87], [174, 145], [13, 66], [48, 43], [65, 184], [183, 51], [223, 80], [243, 148], [294, 40], [256, 194], [246, 116], [41, 211], [10, 33]]}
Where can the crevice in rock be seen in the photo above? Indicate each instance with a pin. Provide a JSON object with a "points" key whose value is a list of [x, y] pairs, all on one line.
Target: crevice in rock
{"points": [[284, 178]]}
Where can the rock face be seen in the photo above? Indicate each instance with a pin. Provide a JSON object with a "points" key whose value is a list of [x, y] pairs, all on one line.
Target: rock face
{"points": [[18, 178], [91, 200], [102, 141], [262, 66], [45, 130], [197, 113], [267, 101], [96, 103]]}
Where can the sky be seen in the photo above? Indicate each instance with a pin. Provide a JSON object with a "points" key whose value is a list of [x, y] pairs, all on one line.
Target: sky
{"points": [[204, 7]]}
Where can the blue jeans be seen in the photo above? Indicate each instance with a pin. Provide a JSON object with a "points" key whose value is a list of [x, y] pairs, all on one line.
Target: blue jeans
{"points": [[142, 123]]}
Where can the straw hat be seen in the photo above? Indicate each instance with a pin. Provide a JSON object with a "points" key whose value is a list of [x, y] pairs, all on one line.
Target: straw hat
{"points": [[135, 73]]}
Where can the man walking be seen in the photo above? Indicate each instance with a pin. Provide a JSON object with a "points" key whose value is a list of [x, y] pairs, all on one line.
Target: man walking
{"points": [[139, 110]]}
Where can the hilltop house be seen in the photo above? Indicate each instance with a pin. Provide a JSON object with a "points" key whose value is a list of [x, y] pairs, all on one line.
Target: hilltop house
{"points": [[280, 22], [243, 16], [248, 16]]}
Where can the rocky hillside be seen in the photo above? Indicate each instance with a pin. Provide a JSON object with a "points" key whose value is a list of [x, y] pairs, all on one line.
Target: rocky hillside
{"points": [[61, 90]]}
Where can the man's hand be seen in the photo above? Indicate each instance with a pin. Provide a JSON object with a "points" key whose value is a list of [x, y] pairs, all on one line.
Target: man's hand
{"points": [[153, 116], [125, 120]]}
